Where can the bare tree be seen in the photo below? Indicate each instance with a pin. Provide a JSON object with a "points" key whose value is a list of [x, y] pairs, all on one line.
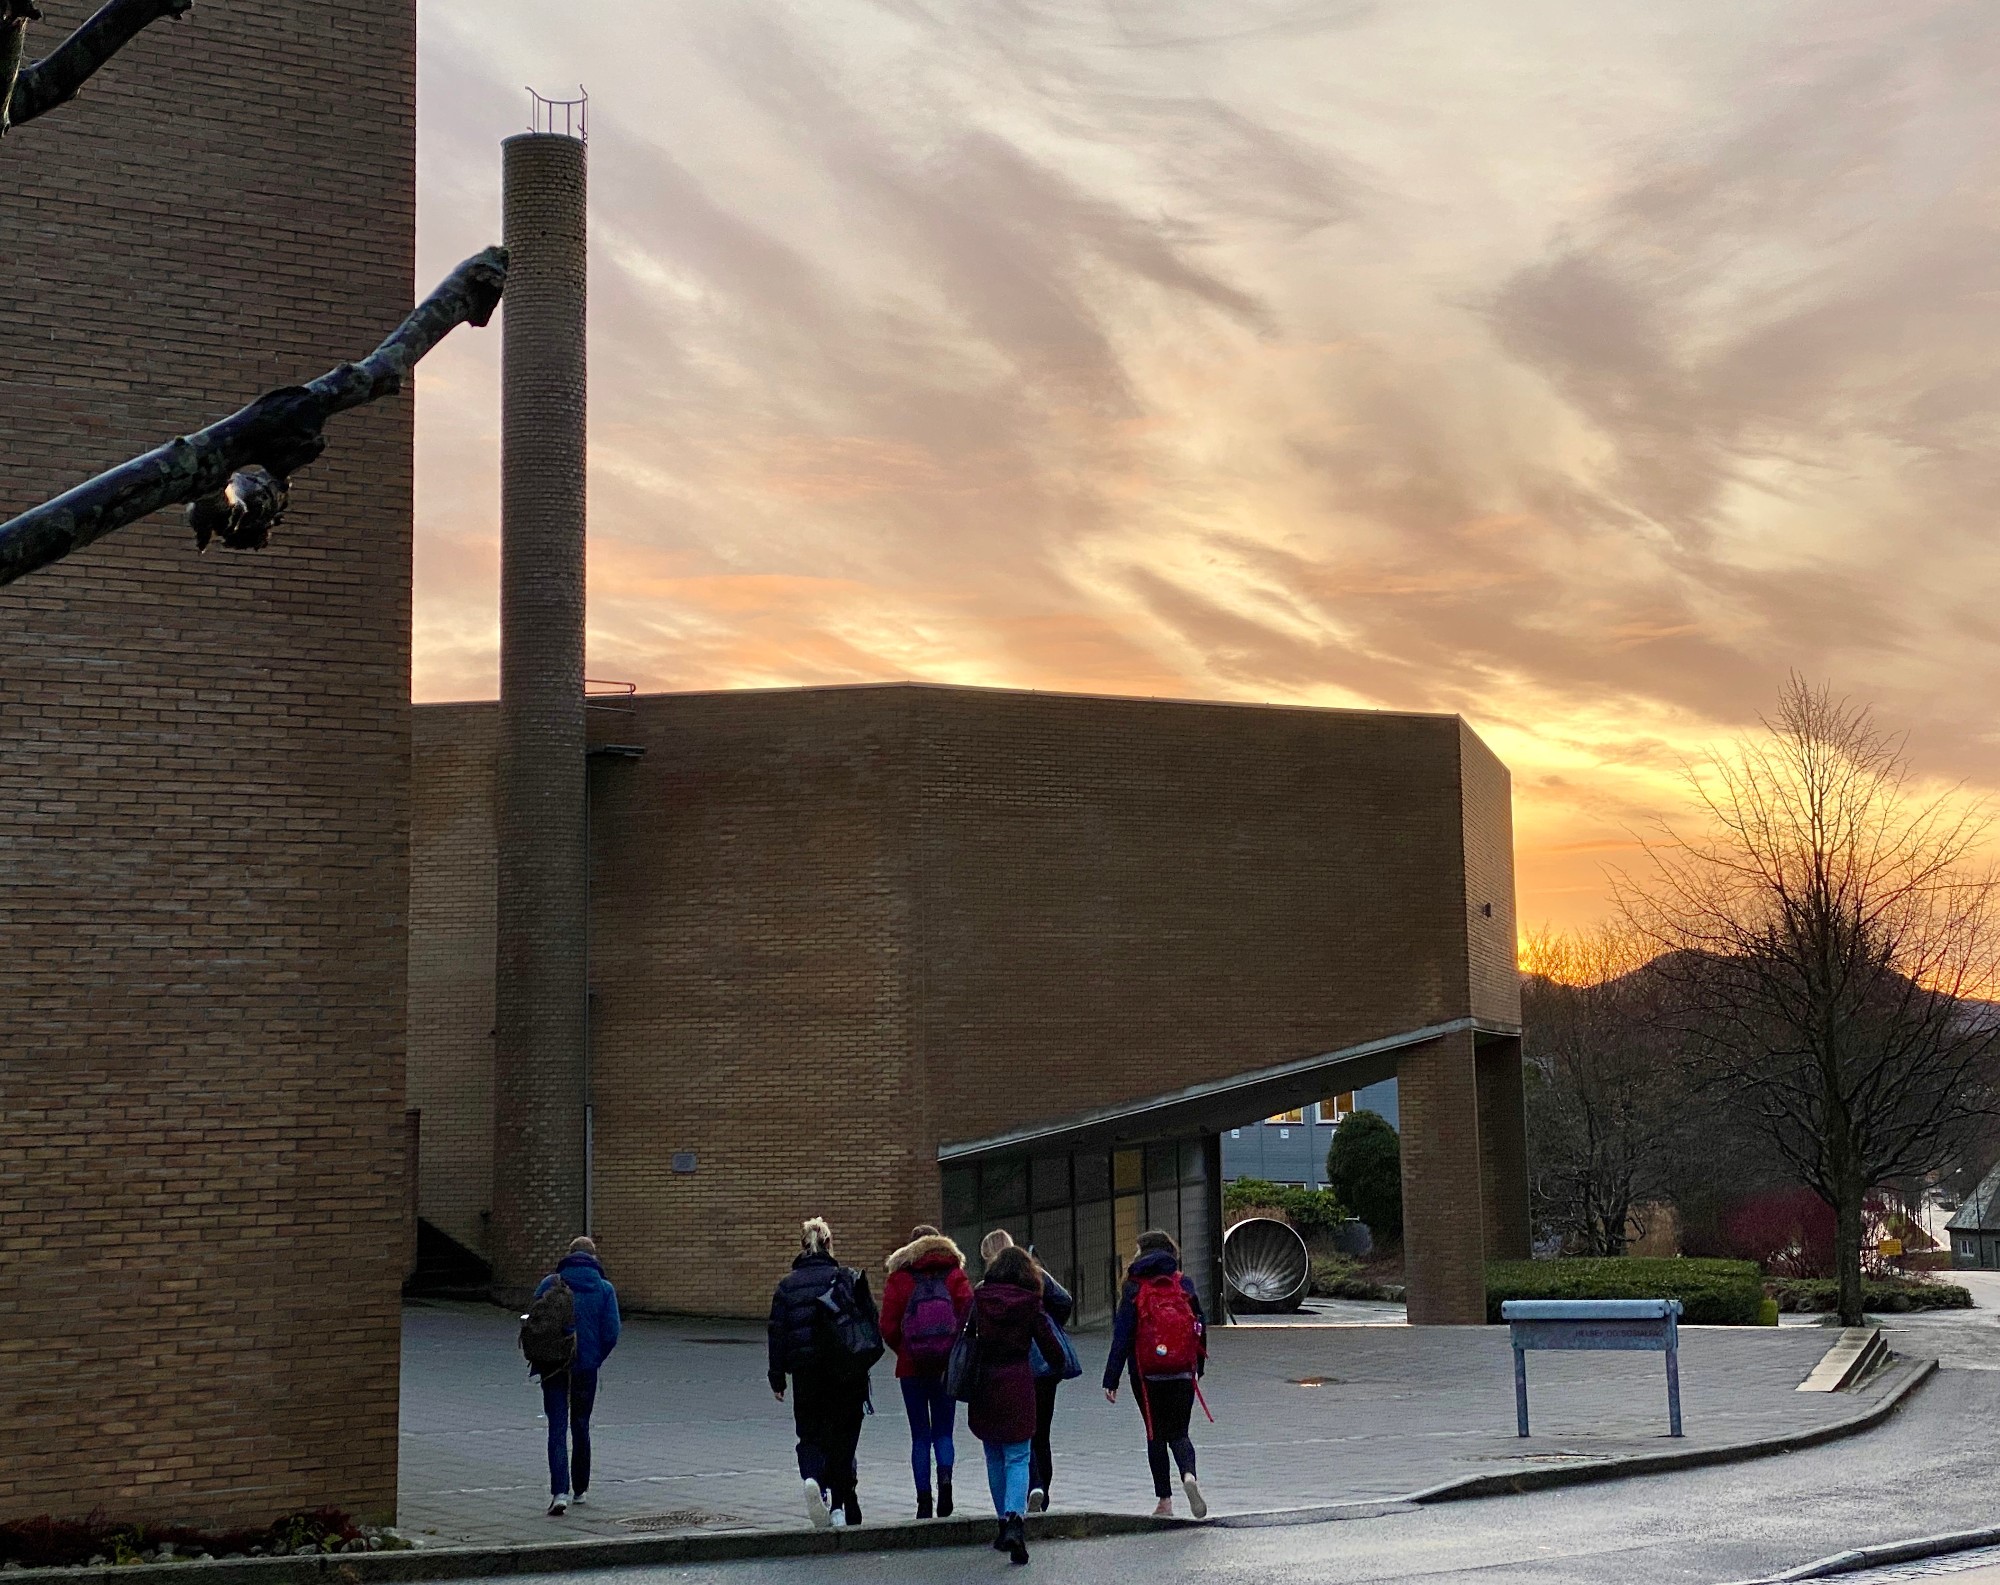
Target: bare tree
{"points": [[1822, 937], [1605, 1099], [234, 477]]}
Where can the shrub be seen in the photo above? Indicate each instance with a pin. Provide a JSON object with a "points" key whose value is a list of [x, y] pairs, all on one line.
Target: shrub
{"points": [[1712, 1292], [1330, 1273], [1882, 1296], [1308, 1210], [1789, 1232], [47, 1542], [1364, 1168]]}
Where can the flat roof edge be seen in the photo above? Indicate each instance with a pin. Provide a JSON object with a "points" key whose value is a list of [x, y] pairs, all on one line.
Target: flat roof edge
{"points": [[1215, 1089]]}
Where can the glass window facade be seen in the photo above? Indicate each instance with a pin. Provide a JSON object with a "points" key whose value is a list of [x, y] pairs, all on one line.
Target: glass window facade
{"points": [[1082, 1212]]}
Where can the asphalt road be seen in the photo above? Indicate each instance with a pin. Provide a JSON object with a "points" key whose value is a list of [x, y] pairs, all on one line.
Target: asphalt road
{"points": [[1932, 1468]]}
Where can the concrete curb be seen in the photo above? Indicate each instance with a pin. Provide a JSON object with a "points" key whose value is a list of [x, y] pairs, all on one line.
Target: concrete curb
{"points": [[1888, 1553], [566, 1557], [1915, 1374]]}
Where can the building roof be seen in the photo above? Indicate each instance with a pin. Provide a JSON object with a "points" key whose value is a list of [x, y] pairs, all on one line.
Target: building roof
{"points": [[1981, 1211]]}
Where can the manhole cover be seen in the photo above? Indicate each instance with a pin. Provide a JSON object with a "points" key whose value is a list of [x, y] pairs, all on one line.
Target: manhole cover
{"points": [[1319, 1381], [676, 1519]]}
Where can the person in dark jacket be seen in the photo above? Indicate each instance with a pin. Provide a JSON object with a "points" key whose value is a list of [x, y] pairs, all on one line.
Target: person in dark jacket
{"points": [[569, 1395], [1060, 1305], [829, 1397], [1009, 1320], [934, 1261], [1165, 1401]]}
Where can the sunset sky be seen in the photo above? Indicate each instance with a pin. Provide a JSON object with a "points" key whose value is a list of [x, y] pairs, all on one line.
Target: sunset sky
{"points": [[1579, 366]]}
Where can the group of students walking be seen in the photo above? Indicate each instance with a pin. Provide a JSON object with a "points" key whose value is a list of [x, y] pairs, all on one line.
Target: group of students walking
{"points": [[998, 1347]]}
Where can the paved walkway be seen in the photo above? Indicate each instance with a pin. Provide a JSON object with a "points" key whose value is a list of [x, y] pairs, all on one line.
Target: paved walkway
{"points": [[687, 1434]]}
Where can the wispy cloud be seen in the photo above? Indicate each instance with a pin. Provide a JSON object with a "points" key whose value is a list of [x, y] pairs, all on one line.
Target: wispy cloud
{"points": [[1581, 368]]}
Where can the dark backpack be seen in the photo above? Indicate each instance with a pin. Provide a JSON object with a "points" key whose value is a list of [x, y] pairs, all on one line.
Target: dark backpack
{"points": [[548, 1331], [849, 1339], [930, 1323]]}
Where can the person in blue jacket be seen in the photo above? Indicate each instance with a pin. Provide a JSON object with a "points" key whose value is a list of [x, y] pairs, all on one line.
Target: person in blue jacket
{"points": [[568, 1395]]}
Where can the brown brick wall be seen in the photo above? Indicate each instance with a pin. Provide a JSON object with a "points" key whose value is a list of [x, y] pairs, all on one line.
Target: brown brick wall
{"points": [[203, 773], [452, 894], [833, 928], [1487, 794]]}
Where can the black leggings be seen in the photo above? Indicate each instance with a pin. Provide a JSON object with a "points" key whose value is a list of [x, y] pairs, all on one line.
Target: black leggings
{"points": [[1041, 1460], [1170, 1403]]}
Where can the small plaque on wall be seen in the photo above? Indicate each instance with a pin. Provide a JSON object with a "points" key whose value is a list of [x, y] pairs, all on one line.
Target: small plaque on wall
{"points": [[683, 1161]]}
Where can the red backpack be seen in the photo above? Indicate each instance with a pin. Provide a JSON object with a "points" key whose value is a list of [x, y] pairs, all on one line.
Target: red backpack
{"points": [[1169, 1337], [930, 1322]]}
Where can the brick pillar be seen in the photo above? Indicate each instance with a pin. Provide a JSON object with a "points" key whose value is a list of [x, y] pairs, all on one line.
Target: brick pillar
{"points": [[540, 969], [1444, 1247], [1503, 1150]]}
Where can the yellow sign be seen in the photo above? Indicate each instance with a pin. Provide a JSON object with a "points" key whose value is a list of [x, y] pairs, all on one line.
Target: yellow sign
{"points": [[1890, 1248]]}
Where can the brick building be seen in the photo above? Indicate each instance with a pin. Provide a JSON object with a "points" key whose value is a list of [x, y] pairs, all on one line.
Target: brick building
{"points": [[204, 783], [903, 952]]}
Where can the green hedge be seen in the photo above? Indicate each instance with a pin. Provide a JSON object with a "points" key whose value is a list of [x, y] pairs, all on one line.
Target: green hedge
{"points": [[1712, 1292], [1308, 1210], [1811, 1295]]}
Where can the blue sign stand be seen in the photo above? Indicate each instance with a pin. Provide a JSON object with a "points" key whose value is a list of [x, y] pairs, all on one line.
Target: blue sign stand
{"points": [[1623, 1324]]}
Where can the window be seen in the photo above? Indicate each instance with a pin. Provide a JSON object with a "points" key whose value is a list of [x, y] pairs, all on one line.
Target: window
{"points": [[1296, 1115], [1334, 1110]]}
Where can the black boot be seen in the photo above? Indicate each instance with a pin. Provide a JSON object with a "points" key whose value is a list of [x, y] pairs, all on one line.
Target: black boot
{"points": [[1017, 1538], [923, 1505], [944, 1494], [851, 1510]]}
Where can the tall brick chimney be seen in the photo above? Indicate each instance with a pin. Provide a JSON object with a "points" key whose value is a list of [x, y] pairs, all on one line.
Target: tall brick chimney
{"points": [[541, 969]]}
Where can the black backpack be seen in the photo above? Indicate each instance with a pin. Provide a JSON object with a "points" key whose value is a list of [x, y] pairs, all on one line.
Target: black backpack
{"points": [[850, 1339], [548, 1335]]}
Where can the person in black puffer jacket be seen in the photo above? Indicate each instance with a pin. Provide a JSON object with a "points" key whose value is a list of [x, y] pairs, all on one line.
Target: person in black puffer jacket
{"points": [[829, 1397]]}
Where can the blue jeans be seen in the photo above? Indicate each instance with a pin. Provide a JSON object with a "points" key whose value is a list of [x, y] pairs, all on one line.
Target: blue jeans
{"points": [[567, 1399], [931, 1410], [1007, 1476]]}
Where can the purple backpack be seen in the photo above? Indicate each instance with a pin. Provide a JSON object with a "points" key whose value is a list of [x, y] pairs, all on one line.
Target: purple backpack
{"points": [[930, 1323]]}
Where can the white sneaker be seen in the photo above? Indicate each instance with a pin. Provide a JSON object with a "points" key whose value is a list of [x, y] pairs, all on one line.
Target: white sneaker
{"points": [[558, 1504], [578, 1501], [1038, 1500], [839, 1519], [1164, 1508], [1196, 1504], [816, 1509]]}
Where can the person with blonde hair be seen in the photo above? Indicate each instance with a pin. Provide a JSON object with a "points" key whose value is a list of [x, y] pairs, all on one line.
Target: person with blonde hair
{"points": [[824, 1334]]}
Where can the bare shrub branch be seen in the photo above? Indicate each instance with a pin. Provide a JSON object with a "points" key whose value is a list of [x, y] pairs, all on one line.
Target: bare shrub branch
{"points": [[30, 91], [234, 475]]}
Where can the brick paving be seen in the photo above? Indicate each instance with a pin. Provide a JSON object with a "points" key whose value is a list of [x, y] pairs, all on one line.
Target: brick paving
{"points": [[687, 1434]]}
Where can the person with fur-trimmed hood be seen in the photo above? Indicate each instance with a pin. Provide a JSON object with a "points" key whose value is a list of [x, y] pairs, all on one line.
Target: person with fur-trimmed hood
{"points": [[924, 1304], [1009, 1321], [830, 1396]]}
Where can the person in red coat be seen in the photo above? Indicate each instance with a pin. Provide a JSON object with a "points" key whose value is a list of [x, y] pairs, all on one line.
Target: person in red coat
{"points": [[1008, 1318], [924, 1305]]}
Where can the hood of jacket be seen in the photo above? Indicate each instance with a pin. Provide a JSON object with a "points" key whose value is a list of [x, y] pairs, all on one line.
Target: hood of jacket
{"points": [[809, 1259], [933, 1252], [1154, 1263], [584, 1273], [1005, 1310]]}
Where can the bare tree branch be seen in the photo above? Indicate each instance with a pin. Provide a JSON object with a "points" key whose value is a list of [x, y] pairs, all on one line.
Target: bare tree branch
{"points": [[233, 475], [27, 92]]}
